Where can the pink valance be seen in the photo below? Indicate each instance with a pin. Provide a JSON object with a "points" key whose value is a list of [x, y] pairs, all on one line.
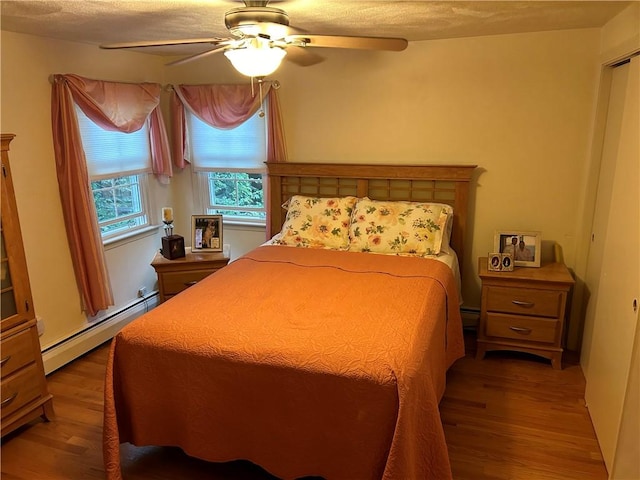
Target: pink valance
{"points": [[114, 106], [123, 107], [225, 106]]}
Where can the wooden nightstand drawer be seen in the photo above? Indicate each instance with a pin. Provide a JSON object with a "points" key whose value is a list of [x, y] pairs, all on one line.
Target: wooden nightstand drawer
{"points": [[16, 352], [522, 301], [175, 282], [524, 310], [177, 275], [20, 389], [521, 327]]}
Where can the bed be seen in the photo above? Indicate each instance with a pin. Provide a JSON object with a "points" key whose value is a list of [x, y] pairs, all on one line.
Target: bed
{"points": [[324, 362]]}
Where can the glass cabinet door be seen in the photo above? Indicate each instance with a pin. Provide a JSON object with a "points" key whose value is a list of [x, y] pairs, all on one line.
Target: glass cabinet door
{"points": [[8, 300], [16, 301]]}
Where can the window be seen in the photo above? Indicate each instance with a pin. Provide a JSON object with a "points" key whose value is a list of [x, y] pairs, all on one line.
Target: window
{"points": [[118, 164], [118, 203], [236, 194], [229, 164]]}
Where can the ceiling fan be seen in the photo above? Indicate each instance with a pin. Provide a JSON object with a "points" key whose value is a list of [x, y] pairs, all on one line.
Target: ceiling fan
{"points": [[261, 37]]}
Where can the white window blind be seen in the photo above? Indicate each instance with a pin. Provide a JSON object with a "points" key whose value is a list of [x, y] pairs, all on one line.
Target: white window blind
{"points": [[110, 153], [241, 149]]}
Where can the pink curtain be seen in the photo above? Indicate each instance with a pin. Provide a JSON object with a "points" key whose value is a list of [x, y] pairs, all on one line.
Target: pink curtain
{"points": [[114, 106], [227, 106]]}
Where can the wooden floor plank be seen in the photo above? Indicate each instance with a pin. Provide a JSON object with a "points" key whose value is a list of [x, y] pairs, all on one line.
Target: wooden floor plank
{"points": [[510, 416]]}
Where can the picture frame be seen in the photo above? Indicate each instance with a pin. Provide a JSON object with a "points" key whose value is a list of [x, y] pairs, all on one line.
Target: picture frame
{"points": [[524, 246], [206, 233], [494, 262], [506, 260], [500, 262]]}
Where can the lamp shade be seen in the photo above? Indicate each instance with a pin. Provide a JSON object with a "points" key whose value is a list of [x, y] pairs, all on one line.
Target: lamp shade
{"points": [[255, 61]]}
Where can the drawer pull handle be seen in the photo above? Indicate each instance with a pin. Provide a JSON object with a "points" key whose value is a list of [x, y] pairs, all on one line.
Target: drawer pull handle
{"points": [[5, 360], [520, 303], [7, 401], [522, 330], [190, 284]]}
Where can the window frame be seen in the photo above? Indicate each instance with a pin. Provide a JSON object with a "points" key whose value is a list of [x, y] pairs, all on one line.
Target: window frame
{"points": [[146, 224], [201, 182], [114, 235], [203, 200]]}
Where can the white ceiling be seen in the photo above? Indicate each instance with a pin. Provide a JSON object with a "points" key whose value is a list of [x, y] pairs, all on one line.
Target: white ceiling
{"points": [[109, 21]]}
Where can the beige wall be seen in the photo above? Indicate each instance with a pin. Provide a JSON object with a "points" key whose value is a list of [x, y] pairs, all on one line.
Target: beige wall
{"points": [[518, 106], [27, 62], [621, 35]]}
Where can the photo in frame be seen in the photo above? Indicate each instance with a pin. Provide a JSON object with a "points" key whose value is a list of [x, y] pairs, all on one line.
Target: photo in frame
{"points": [[506, 259], [494, 262], [206, 233], [500, 262], [524, 247]]}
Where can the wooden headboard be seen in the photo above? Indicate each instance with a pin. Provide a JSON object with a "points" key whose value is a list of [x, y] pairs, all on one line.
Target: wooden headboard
{"points": [[435, 183]]}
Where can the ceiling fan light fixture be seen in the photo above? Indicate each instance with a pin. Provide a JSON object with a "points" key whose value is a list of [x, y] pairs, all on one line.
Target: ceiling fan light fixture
{"points": [[255, 61]]}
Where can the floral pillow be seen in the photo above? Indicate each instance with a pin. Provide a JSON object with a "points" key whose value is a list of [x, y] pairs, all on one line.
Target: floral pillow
{"points": [[398, 227], [315, 222]]}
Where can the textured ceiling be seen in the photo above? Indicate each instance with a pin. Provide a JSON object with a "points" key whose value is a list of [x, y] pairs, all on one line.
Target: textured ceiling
{"points": [[109, 21]]}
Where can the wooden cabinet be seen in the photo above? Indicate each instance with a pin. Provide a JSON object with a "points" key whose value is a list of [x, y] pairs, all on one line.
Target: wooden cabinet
{"points": [[179, 274], [24, 394], [524, 310]]}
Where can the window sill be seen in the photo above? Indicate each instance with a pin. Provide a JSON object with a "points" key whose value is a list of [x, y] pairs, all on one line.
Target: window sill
{"points": [[240, 225], [130, 237]]}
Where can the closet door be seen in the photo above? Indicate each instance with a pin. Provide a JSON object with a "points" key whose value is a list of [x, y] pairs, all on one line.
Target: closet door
{"points": [[615, 259]]}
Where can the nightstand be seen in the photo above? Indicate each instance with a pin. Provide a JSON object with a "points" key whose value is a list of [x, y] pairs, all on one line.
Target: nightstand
{"points": [[524, 310], [179, 274]]}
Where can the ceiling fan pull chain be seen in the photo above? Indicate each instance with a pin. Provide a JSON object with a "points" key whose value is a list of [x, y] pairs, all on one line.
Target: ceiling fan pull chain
{"points": [[261, 114], [253, 93]]}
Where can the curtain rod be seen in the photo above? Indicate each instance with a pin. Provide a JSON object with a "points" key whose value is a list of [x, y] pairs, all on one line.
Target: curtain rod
{"points": [[167, 88]]}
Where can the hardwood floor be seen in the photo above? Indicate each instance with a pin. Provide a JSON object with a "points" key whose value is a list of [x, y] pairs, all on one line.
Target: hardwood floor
{"points": [[510, 416]]}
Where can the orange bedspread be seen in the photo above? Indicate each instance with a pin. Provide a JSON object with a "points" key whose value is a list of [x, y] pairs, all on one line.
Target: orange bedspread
{"points": [[306, 362]]}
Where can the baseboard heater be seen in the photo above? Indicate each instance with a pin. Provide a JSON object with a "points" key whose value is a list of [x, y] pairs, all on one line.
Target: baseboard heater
{"points": [[81, 342], [470, 317]]}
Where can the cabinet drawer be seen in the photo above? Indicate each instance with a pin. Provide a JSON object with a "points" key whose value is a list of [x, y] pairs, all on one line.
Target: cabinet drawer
{"points": [[16, 352], [20, 389], [521, 327], [521, 301], [175, 282]]}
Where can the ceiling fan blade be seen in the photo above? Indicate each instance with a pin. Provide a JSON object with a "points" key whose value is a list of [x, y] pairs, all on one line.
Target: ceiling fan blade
{"points": [[160, 43], [219, 48], [340, 41], [302, 57]]}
